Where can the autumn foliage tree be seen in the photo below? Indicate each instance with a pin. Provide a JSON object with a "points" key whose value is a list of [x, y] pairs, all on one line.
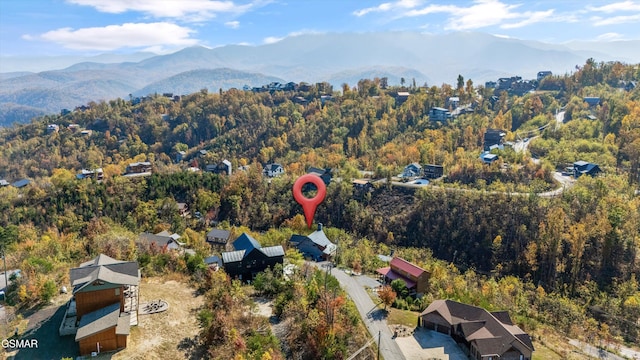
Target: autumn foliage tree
{"points": [[387, 295]]}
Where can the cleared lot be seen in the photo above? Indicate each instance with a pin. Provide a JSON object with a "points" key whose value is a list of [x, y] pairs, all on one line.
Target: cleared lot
{"points": [[429, 345]]}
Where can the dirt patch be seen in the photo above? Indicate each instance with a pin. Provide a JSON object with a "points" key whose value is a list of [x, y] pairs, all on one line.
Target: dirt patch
{"points": [[169, 334]]}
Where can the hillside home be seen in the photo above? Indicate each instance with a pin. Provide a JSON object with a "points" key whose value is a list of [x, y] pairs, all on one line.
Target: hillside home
{"points": [[249, 258], [484, 335], [585, 168], [105, 294], [324, 174], [543, 74], [361, 187], [183, 209], [97, 174], [433, 171], [180, 155], [315, 245], [402, 97], [412, 170], [453, 102], [51, 128], [141, 168], [3, 183], [439, 114], [21, 183], [493, 137], [224, 167], [162, 241], [415, 278], [273, 170], [592, 101], [73, 127], [218, 236], [488, 158]]}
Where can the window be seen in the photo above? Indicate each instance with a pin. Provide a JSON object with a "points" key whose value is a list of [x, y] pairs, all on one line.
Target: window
{"points": [[521, 357], [118, 294]]}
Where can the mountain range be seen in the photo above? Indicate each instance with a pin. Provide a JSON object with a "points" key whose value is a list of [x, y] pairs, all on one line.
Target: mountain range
{"points": [[334, 57]]}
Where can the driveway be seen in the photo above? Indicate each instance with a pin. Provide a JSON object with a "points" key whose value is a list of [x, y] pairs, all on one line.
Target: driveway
{"points": [[372, 316], [427, 344]]}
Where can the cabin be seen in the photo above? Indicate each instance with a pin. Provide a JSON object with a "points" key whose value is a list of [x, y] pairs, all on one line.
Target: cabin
{"points": [[439, 114], [402, 97], [453, 102], [488, 158], [218, 236], [361, 187], [142, 167], [412, 170], [493, 137], [485, 335], [315, 245], [543, 74], [585, 168], [51, 128], [415, 278], [324, 174], [105, 294], [592, 101], [162, 241], [4, 183], [97, 174], [273, 170], [250, 258], [224, 167], [432, 171], [21, 183]]}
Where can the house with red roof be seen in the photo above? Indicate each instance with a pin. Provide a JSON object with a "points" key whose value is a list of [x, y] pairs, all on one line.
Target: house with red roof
{"points": [[415, 277]]}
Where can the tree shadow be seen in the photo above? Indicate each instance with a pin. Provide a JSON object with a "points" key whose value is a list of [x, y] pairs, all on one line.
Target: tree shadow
{"points": [[192, 348], [50, 344]]}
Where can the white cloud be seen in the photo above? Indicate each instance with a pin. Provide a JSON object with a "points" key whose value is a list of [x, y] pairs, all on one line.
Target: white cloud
{"points": [[384, 7], [156, 36], [615, 20], [615, 7], [535, 17], [232, 24], [272, 39], [190, 10], [610, 36]]}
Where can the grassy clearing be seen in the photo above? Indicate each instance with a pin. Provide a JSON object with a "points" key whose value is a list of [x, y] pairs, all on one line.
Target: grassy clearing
{"points": [[165, 335], [544, 353], [402, 317]]}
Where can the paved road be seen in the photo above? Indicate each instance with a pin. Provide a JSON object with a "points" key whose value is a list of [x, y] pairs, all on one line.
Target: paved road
{"points": [[371, 315], [593, 351], [559, 119]]}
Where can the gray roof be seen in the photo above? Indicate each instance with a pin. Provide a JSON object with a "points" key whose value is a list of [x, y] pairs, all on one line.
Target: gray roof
{"points": [[4, 182], [319, 238], [232, 256], [273, 251], [105, 269], [219, 234], [21, 183], [245, 242], [103, 319], [226, 162]]}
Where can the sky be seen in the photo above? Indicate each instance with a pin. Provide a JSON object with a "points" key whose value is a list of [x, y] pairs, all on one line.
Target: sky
{"points": [[91, 27]]}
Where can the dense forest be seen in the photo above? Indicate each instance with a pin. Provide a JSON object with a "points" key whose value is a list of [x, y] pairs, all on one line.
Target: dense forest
{"points": [[580, 248]]}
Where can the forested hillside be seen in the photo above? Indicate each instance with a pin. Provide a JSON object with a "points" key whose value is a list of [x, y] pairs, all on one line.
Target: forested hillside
{"points": [[580, 247]]}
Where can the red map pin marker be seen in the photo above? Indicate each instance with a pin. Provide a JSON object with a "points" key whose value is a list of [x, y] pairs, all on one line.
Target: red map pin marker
{"points": [[309, 205]]}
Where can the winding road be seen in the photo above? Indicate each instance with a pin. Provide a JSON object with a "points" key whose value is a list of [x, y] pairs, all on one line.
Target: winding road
{"points": [[373, 317]]}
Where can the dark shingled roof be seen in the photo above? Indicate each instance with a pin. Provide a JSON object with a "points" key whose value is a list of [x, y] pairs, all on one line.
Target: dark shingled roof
{"points": [[105, 269]]}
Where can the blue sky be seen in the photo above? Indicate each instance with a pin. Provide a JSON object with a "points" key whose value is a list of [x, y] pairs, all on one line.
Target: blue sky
{"points": [[89, 27]]}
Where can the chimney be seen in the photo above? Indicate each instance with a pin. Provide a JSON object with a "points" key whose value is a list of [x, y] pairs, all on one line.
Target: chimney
{"points": [[319, 226]]}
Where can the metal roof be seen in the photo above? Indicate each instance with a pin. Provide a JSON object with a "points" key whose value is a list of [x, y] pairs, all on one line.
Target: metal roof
{"points": [[273, 251], [232, 256], [246, 242], [101, 320]]}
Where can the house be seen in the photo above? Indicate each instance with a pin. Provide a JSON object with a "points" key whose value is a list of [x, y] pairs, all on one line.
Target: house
{"points": [[412, 170], [361, 187], [486, 335], [592, 101], [543, 74], [163, 241], [584, 168], [223, 167], [433, 171], [490, 84], [183, 209], [180, 155], [249, 258], [202, 153], [453, 102], [105, 294], [439, 114], [315, 245], [630, 85], [51, 128], [138, 168], [488, 158], [300, 100], [415, 278], [493, 137], [86, 132], [324, 174], [273, 170], [97, 174], [3, 183], [73, 127], [218, 236], [401, 97], [21, 183]]}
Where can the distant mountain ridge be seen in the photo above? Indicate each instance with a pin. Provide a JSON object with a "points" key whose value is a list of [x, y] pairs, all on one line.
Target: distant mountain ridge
{"points": [[336, 58]]}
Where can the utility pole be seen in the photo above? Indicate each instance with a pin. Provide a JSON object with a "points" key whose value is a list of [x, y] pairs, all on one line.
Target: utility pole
{"points": [[379, 336], [6, 278]]}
